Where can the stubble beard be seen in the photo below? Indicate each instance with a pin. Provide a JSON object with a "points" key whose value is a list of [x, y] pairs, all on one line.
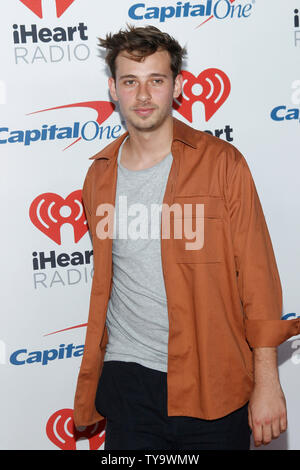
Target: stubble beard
{"points": [[147, 124]]}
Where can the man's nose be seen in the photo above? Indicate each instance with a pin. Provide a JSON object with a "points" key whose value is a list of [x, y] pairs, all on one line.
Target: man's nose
{"points": [[143, 92]]}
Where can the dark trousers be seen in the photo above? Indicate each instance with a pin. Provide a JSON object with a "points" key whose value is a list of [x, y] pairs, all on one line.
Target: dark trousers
{"points": [[133, 398]]}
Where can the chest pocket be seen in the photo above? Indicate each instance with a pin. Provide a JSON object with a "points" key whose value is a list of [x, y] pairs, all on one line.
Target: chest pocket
{"points": [[198, 224]]}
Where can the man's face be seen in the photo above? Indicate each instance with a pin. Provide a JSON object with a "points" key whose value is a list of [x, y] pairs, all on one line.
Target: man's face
{"points": [[145, 90]]}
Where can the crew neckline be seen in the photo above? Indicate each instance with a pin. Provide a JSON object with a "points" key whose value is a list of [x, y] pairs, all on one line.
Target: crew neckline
{"points": [[138, 171]]}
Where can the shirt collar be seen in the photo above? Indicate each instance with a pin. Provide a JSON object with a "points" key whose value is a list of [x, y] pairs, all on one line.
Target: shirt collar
{"points": [[181, 132]]}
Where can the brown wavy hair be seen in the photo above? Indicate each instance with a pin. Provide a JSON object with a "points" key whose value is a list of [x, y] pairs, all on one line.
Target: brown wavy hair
{"points": [[140, 42]]}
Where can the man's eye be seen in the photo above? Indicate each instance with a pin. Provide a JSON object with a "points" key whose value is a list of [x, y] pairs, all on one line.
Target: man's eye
{"points": [[129, 82], [157, 81]]}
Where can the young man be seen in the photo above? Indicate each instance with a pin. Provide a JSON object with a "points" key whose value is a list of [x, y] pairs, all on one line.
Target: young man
{"points": [[180, 350]]}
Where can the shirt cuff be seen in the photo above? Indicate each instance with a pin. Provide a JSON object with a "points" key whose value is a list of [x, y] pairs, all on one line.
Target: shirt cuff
{"points": [[270, 333]]}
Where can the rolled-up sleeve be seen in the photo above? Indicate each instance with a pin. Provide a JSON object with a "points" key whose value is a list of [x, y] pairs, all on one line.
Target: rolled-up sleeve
{"points": [[257, 273]]}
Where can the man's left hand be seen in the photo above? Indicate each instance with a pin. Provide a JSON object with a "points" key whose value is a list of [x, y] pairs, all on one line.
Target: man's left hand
{"points": [[267, 413]]}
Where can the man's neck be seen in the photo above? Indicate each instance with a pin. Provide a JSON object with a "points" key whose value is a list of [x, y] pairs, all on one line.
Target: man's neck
{"points": [[148, 147]]}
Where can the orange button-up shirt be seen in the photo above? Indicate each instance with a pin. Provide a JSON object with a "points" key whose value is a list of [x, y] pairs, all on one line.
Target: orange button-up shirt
{"points": [[223, 299]]}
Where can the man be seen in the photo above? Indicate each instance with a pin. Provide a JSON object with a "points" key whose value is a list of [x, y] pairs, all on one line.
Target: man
{"points": [[180, 351]]}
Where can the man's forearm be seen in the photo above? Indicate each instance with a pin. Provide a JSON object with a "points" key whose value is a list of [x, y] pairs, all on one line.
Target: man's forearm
{"points": [[265, 366]]}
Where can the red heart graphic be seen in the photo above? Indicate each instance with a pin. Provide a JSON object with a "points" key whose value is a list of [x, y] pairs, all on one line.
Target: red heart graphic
{"points": [[36, 6], [45, 214], [61, 430], [62, 6], [215, 91]]}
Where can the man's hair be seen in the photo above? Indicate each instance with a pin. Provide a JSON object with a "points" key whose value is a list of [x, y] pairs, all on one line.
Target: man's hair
{"points": [[140, 42]]}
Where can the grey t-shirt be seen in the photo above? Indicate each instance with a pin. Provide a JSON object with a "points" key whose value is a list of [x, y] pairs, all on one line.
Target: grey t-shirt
{"points": [[137, 314]]}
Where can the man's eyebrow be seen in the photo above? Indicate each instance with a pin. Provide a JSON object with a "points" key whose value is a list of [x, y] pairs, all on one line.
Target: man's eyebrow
{"points": [[155, 74]]}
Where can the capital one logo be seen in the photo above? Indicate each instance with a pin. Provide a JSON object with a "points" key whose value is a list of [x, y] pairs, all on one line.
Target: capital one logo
{"points": [[60, 429], [36, 6], [49, 211], [211, 87]]}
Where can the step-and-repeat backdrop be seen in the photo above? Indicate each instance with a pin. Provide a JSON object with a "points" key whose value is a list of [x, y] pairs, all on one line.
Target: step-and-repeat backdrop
{"points": [[55, 112]]}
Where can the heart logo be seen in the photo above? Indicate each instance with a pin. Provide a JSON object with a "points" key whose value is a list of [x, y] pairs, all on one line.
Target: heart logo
{"points": [[61, 430], [211, 87], [36, 6], [49, 211], [62, 6]]}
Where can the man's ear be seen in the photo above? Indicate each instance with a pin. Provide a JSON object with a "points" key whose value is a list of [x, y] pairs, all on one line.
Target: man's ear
{"points": [[112, 88], [178, 86]]}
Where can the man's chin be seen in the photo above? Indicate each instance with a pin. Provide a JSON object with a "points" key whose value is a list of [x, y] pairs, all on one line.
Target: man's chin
{"points": [[146, 125]]}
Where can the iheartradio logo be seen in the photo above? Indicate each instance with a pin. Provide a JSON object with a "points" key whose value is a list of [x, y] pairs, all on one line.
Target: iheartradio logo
{"points": [[211, 87], [36, 6], [60, 429], [49, 211]]}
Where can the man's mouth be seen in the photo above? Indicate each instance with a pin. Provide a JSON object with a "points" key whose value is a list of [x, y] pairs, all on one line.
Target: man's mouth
{"points": [[144, 111]]}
